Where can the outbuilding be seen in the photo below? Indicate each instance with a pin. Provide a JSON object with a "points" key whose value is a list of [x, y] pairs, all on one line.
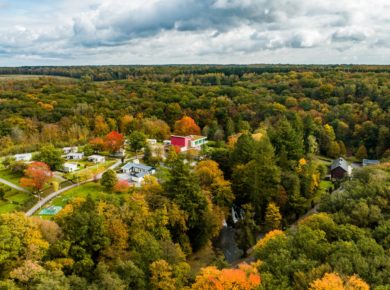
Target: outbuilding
{"points": [[96, 159], [70, 167], [23, 157]]}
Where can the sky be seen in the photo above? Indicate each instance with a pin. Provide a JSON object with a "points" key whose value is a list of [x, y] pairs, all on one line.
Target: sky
{"points": [[102, 32]]}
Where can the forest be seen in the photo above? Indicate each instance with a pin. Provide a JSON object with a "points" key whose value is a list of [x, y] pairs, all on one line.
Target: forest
{"points": [[272, 134]]}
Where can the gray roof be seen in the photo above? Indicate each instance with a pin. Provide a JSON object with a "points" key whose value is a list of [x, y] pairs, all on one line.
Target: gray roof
{"points": [[340, 162], [370, 162], [135, 165]]}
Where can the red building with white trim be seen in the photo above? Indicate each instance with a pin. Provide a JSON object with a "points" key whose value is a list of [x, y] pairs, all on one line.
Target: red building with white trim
{"points": [[188, 142]]}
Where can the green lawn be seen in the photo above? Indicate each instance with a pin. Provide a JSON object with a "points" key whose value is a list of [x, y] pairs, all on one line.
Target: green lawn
{"points": [[15, 200], [88, 169], [9, 176], [95, 190]]}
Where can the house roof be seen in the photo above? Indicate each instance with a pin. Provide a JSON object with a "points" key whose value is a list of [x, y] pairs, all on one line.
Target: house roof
{"points": [[23, 155], [370, 162], [197, 137], [340, 162], [75, 153], [95, 157], [135, 165], [70, 165]]}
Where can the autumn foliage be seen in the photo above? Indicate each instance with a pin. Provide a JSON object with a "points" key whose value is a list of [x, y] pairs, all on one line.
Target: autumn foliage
{"points": [[37, 175], [332, 281], [113, 141], [269, 236], [122, 186], [97, 143], [246, 277], [186, 126]]}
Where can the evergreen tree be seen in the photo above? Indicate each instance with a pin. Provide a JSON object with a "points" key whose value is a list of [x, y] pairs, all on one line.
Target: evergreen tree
{"points": [[361, 153], [283, 135], [257, 181], [183, 188], [244, 149]]}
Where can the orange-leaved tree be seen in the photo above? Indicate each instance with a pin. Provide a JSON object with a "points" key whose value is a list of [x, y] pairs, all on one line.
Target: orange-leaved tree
{"points": [[37, 175], [246, 277], [97, 144], [114, 141], [186, 126]]}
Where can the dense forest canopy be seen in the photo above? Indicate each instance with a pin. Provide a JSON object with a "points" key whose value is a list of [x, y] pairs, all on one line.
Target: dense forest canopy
{"points": [[263, 177], [354, 104]]}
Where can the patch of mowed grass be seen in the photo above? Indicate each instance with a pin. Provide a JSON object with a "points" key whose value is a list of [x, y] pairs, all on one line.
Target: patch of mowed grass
{"points": [[15, 200], [10, 176]]}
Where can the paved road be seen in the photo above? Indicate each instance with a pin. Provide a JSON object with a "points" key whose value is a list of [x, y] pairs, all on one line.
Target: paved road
{"points": [[45, 200], [10, 184]]}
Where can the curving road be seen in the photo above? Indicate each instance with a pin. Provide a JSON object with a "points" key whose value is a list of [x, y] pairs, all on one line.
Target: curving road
{"points": [[14, 186], [45, 200]]}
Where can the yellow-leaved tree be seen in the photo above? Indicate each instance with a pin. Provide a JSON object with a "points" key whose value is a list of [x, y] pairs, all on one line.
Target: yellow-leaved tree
{"points": [[333, 281]]}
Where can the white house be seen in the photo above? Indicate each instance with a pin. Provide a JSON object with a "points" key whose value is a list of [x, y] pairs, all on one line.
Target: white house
{"points": [[74, 156], [70, 167], [151, 141], [97, 159], [135, 172], [23, 157], [68, 150]]}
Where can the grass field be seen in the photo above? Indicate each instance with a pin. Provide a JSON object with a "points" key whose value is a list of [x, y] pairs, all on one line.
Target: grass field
{"points": [[95, 190], [15, 200], [32, 77], [9, 176]]}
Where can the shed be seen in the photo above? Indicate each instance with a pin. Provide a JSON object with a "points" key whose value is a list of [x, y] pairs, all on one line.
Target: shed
{"points": [[97, 159], [70, 167], [23, 157]]}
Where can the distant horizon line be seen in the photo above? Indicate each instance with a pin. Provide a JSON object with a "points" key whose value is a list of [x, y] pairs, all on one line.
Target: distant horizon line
{"points": [[199, 64]]}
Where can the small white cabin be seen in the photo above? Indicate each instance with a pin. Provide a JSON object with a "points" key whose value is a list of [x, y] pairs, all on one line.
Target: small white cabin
{"points": [[23, 157], [74, 156], [151, 141], [70, 167], [97, 159], [68, 150]]}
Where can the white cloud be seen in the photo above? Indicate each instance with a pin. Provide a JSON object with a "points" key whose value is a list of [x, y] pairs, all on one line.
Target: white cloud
{"points": [[195, 31]]}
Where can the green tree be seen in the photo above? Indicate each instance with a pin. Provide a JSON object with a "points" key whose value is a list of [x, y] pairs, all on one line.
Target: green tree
{"points": [[182, 187], [243, 150], [137, 141], [257, 181], [109, 179], [51, 156], [85, 231], [283, 135]]}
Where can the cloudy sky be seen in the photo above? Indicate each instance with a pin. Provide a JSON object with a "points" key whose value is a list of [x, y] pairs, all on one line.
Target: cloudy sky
{"points": [[77, 32]]}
